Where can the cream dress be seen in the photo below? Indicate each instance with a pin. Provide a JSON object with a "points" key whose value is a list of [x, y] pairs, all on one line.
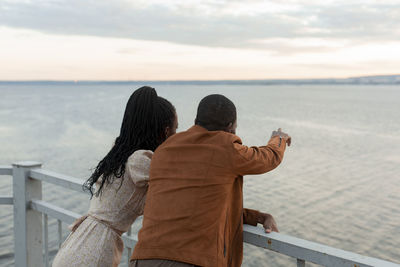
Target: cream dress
{"points": [[95, 239]]}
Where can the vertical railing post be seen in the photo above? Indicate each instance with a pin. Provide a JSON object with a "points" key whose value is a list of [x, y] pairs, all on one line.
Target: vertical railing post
{"points": [[301, 263], [27, 222], [46, 240], [129, 251], [59, 227]]}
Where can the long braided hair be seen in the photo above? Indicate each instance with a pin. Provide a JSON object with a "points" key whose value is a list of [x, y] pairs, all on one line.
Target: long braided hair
{"points": [[143, 127]]}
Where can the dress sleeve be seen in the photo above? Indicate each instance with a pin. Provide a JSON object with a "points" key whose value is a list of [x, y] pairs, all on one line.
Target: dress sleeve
{"points": [[138, 166], [257, 160]]}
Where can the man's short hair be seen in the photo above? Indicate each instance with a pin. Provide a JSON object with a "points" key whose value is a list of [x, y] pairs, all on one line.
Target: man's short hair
{"points": [[215, 113]]}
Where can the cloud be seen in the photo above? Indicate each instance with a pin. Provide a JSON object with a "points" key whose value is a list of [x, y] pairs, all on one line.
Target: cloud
{"points": [[237, 24], [302, 45], [197, 39]]}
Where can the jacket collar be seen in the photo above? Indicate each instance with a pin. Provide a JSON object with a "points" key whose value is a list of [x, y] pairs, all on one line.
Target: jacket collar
{"points": [[197, 128]]}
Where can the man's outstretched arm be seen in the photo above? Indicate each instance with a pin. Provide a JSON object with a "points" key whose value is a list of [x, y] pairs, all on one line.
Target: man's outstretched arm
{"points": [[258, 160], [253, 217]]}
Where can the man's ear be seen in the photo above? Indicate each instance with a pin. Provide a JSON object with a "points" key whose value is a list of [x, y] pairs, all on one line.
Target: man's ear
{"points": [[229, 128], [167, 131]]}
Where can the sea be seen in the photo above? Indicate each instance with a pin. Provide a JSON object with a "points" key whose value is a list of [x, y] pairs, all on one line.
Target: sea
{"points": [[338, 185]]}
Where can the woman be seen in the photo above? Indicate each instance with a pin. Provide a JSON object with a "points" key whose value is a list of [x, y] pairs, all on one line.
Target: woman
{"points": [[118, 185]]}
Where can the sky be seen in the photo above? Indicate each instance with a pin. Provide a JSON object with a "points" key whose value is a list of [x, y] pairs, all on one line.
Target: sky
{"points": [[197, 40]]}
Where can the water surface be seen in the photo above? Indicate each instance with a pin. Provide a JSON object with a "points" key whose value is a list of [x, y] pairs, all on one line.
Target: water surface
{"points": [[338, 185]]}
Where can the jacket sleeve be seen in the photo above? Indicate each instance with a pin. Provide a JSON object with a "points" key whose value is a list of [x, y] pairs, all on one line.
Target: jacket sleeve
{"points": [[250, 216], [257, 160]]}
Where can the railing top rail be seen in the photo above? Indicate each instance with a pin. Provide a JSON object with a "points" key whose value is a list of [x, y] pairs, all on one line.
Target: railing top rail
{"points": [[57, 179], [307, 250], [284, 244], [5, 170]]}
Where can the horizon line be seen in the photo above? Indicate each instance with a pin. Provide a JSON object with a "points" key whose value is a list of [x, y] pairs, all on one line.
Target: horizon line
{"points": [[197, 80]]}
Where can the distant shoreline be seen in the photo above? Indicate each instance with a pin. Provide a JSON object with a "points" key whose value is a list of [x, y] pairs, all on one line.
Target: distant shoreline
{"points": [[363, 80]]}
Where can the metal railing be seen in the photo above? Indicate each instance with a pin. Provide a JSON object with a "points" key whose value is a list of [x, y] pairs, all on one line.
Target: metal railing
{"points": [[30, 241]]}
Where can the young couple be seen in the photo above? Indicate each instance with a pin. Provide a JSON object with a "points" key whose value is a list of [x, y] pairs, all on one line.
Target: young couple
{"points": [[193, 214]]}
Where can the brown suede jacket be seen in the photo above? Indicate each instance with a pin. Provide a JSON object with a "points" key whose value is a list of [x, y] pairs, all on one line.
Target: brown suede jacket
{"points": [[194, 205]]}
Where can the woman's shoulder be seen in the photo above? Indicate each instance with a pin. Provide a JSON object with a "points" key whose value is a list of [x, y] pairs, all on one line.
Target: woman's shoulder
{"points": [[138, 165], [140, 155]]}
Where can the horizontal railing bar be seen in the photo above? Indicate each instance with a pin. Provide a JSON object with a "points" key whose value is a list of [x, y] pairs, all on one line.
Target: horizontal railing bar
{"points": [[6, 170], [64, 181], [61, 214], [69, 217], [129, 241], [6, 200], [309, 251]]}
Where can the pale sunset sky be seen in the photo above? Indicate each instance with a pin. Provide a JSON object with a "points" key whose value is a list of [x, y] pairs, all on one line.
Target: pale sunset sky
{"points": [[197, 40]]}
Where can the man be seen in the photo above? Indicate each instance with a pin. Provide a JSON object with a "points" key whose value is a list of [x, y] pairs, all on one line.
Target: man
{"points": [[193, 214]]}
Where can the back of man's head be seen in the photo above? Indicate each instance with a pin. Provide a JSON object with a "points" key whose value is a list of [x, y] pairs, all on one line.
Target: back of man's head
{"points": [[216, 113]]}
